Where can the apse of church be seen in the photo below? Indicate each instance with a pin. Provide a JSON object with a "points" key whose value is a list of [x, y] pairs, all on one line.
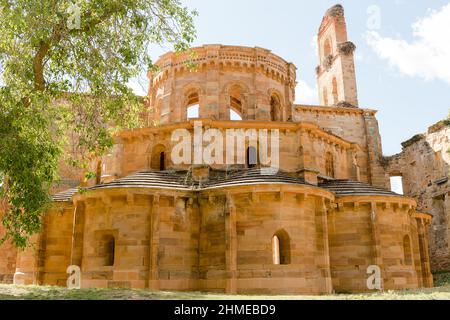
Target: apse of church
{"points": [[314, 225]]}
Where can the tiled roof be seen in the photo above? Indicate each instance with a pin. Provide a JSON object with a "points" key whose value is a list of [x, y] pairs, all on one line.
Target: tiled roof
{"points": [[64, 195], [182, 180], [252, 176], [350, 188], [149, 179]]}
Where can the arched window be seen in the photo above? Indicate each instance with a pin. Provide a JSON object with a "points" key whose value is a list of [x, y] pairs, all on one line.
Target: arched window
{"points": [[158, 158], [407, 250], [325, 96], [192, 104], [162, 161], [193, 112], [275, 108], [276, 250], [335, 90], [235, 116], [281, 248], [108, 250], [327, 48], [252, 157], [236, 100], [329, 165]]}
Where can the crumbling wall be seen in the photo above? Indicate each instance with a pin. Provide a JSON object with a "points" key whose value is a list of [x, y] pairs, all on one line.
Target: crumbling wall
{"points": [[424, 165]]}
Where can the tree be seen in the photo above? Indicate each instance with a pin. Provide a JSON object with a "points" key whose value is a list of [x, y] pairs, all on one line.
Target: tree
{"points": [[89, 49]]}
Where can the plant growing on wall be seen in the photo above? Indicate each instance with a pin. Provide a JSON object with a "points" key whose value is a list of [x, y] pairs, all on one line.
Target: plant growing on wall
{"points": [[64, 71]]}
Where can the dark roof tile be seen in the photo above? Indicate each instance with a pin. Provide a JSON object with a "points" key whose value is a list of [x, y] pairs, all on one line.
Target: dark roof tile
{"points": [[350, 188], [182, 180], [64, 195]]}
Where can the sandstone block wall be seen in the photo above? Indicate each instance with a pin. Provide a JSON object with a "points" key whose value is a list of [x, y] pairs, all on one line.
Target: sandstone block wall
{"points": [[55, 246], [221, 240], [363, 233], [241, 236], [358, 126], [301, 145], [424, 166], [8, 256]]}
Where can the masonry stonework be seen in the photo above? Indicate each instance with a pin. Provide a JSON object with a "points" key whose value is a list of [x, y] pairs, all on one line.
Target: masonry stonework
{"points": [[314, 225], [424, 165]]}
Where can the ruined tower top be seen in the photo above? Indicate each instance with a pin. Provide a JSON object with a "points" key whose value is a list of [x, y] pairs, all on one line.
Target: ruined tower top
{"points": [[336, 71], [336, 11]]}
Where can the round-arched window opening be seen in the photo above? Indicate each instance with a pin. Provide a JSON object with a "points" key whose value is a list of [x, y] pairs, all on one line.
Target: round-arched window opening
{"points": [[235, 116], [236, 102], [281, 248], [252, 157], [275, 108], [108, 250], [158, 158], [193, 112], [162, 161], [192, 105]]}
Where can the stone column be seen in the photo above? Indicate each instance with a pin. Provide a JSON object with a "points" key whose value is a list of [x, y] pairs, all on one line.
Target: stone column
{"points": [[170, 98], [261, 86], [224, 102], [289, 91], [76, 255], [377, 259], [427, 277], [153, 279], [322, 237], [447, 217], [41, 251], [231, 246], [212, 85], [309, 152]]}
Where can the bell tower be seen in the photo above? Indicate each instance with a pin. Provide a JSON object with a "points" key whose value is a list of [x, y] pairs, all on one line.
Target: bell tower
{"points": [[336, 78]]}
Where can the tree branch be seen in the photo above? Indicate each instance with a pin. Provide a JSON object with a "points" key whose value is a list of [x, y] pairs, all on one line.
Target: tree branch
{"points": [[38, 61]]}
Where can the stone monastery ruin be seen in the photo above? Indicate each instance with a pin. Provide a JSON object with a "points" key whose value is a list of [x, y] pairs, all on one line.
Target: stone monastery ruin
{"points": [[314, 226]]}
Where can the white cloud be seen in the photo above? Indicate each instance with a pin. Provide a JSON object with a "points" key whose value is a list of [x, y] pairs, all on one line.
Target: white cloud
{"points": [[305, 94], [428, 56]]}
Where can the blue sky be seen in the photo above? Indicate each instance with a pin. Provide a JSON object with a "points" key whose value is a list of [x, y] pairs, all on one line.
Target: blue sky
{"points": [[403, 73]]}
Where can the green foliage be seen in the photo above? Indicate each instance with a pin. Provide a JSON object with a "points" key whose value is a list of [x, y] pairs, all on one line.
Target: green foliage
{"points": [[441, 279], [60, 79], [28, 161]]}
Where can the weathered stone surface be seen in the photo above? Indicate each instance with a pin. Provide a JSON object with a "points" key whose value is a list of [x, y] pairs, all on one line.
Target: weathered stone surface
{"points": [[424, 165], [313, 227]]}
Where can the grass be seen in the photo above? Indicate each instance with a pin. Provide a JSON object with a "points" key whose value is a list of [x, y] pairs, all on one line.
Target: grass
{"points": [[11, 292]]}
